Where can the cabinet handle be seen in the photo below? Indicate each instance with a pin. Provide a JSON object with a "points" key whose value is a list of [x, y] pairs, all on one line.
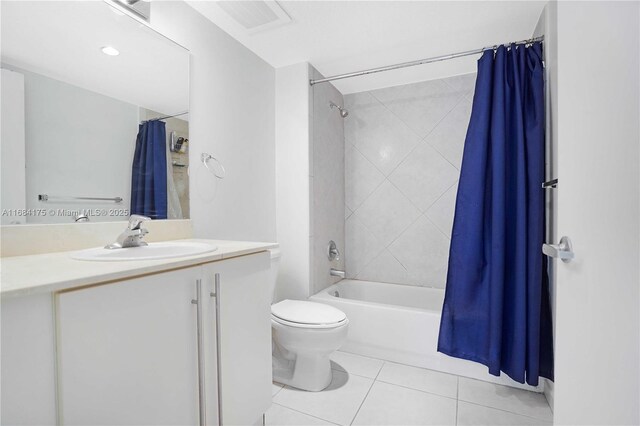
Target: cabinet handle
{"points": [[216, 294], [201, 376]]}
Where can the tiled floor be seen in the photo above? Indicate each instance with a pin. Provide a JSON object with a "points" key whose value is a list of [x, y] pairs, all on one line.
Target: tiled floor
{"points": [[367, 391]]}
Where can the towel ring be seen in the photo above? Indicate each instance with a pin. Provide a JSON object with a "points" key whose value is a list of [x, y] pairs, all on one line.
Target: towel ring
{"points": [[204, 157]]}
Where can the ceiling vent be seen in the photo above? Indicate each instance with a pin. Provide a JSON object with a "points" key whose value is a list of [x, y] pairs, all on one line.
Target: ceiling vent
{"points": [[139, 9], [255, 16]]}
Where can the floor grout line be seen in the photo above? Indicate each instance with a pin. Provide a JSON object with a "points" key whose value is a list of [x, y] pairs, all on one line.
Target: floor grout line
{"points": [[417, 390], [457, 395], [367, 395], [278, 391], [352, 374], [506, 411], [362, 403], [306, 414], [377, 379]]}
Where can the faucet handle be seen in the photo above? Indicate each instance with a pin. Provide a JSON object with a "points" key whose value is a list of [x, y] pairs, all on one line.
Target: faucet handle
{"points": [[135, 220], [332, 251]]}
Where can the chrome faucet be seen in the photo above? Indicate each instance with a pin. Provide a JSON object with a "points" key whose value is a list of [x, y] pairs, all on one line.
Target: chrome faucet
{"points": [[336, 273], [133, 235]]}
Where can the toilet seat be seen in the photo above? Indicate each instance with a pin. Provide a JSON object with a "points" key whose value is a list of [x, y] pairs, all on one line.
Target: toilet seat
{"points": [[304, 314], [302, 325]]}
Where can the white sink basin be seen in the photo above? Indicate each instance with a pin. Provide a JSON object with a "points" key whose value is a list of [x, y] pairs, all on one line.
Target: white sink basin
{"points": [[151, 252]]}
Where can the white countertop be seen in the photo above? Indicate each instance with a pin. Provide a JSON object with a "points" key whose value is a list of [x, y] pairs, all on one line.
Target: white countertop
{"points": [[22, 275]]}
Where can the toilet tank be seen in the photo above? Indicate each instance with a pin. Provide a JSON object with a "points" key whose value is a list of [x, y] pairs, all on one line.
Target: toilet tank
{"points": [[273, 271]]}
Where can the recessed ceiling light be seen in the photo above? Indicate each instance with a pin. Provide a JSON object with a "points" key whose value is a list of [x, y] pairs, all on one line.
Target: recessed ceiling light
{"points": [[111, 51]]}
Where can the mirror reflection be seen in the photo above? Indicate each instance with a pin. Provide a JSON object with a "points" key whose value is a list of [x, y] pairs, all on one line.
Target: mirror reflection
{"points": [[94, 113]]}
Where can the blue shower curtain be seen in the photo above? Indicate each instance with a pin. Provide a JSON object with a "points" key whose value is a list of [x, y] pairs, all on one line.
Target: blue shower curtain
{"points": [[149, 171], [496, 309]]}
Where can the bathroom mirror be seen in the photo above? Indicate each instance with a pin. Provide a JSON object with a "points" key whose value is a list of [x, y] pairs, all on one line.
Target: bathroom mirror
{"points": [[83, 86]]}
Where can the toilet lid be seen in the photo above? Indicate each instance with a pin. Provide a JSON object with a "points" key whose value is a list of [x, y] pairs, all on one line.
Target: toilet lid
{"points": [[303, 312]]}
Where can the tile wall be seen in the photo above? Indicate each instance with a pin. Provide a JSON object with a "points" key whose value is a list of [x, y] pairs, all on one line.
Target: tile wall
{"points": [[403, 150], [327, 193]]}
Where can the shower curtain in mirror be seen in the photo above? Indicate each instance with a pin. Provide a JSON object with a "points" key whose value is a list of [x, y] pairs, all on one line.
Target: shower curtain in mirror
{"points": [[496, 309], [149, 172]]}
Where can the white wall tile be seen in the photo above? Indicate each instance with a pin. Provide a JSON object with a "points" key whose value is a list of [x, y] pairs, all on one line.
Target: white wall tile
{"points": [[448, 136], [424, 176], [361, 246], [424, 252], [383, 126], [347, 212], [422, 105], [442, 211], [360, 101], [379, 135], [388, 94], [385, 268], [386, 213], [463, 83], [361, 177], [328, 183]]}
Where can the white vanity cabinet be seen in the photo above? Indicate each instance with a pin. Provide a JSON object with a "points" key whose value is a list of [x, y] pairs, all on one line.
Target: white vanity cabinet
{"points": [[27, 358], [244, 332], [127, 352], [137, 352]]}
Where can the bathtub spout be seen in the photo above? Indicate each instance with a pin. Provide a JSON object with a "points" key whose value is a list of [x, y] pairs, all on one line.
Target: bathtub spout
{"points": [[336, 273]]}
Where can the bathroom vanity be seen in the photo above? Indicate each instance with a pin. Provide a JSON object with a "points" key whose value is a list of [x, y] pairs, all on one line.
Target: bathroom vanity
{"points": [[182, 340], [185, 340]]}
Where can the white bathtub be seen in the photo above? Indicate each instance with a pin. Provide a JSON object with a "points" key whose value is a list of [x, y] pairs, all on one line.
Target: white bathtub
{"points": [[400, 323]]}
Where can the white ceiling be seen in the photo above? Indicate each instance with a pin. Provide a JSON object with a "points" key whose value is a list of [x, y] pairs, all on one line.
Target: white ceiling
{"points": [[344, 36], [63, 40]]}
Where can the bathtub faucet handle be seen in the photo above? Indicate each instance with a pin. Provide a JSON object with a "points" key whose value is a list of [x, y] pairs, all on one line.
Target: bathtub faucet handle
{"points": [[332, 251], [336, 273]]}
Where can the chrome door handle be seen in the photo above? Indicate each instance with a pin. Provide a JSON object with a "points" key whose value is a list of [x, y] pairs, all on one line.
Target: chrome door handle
{"points": [[216, 294], [563, 250], [202, 412]]}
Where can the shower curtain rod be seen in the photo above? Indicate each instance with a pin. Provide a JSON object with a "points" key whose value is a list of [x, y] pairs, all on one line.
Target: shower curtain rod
{"points": [[419, 62], [166, 116]]}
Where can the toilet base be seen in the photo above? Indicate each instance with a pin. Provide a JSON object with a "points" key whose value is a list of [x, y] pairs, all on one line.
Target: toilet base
{"points": [[310, 372], [300, 355]]}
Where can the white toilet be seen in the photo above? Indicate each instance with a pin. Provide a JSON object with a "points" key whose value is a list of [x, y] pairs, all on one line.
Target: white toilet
{"points": [[304, 335]]}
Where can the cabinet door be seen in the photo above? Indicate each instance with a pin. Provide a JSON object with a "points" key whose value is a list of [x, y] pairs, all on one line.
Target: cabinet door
{"points": [[28, 361], [128, 352], [244, 332]]}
